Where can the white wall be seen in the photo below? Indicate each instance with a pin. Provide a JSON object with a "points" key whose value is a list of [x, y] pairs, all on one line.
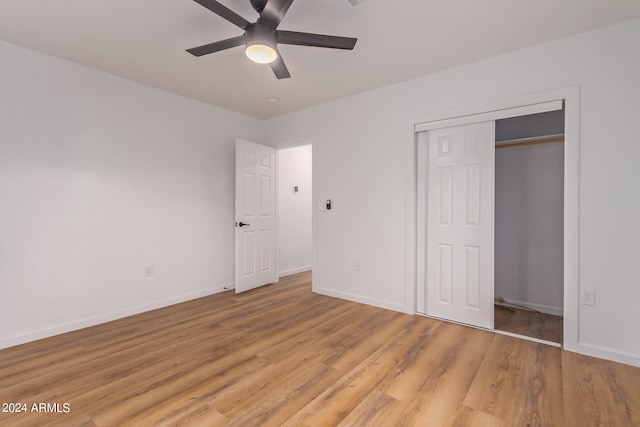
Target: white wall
{"points": [[529, 226], [360, 154], [294, 209], [100, 177]]}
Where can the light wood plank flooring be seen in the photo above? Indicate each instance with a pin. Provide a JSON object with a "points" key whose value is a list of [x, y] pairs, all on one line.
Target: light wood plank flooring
{"points": [[283, 356], [529, 323]]}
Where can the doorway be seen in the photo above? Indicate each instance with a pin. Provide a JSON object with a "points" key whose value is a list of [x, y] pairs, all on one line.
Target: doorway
{"points": [[528, 251], [273, 213], [295, 216]]}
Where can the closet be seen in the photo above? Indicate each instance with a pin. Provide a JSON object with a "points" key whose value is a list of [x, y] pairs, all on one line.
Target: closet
{"points": [[490, 220], [528, 239]]}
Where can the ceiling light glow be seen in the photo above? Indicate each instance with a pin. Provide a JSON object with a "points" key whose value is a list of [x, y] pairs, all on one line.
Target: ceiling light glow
{"points": [[261, 53]]}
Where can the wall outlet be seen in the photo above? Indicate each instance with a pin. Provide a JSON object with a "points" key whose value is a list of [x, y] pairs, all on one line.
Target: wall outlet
{"points": [[148, 270], [588, 297], [357, 266]]}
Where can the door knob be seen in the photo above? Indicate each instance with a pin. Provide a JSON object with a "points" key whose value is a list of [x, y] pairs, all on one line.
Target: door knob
{"points": [[242, 224]]}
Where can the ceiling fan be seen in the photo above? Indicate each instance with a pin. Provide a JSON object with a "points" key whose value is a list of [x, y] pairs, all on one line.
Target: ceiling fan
{"points": [[262, 37]]}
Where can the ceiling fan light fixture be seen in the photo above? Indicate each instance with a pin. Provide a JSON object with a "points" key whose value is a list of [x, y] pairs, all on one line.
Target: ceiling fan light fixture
{"points": [[262, 37], [261, 53]]}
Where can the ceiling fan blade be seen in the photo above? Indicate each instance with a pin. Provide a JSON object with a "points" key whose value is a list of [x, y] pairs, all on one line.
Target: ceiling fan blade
{"points": [[224, 12], [274, 12], [279, 68], [217, 46], [316, 40]]}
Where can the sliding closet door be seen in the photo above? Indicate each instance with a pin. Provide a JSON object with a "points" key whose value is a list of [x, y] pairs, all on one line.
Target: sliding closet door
{"points": [[460, 183]]}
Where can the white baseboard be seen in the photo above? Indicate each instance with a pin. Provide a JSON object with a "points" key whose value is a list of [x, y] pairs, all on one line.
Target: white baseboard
{"points": [[609, 354], [6, 342], [363, 300], [547, 309], [296, 270]]}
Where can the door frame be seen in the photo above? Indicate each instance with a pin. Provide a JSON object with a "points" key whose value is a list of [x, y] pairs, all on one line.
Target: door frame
{"points": [[491, 111]]}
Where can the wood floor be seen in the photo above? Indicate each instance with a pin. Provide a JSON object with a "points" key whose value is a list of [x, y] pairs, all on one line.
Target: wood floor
{"points": [[283, 356], [528, 323]]}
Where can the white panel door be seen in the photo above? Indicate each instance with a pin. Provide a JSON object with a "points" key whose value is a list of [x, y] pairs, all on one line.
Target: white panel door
{"points": [[255, 215], [460, 184]]}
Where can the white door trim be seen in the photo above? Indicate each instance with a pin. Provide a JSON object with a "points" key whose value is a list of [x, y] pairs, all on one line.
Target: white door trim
{"points": [[571, 97]]}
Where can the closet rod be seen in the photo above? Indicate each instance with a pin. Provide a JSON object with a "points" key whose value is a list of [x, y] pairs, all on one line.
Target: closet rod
{"points": [[529, 141]]}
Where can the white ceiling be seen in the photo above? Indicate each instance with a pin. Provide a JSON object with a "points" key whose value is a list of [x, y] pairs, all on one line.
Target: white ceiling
{"points": [[145, 41]]}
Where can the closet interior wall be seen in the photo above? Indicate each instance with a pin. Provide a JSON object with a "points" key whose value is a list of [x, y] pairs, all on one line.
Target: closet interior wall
{"points": [[529, 191]]}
